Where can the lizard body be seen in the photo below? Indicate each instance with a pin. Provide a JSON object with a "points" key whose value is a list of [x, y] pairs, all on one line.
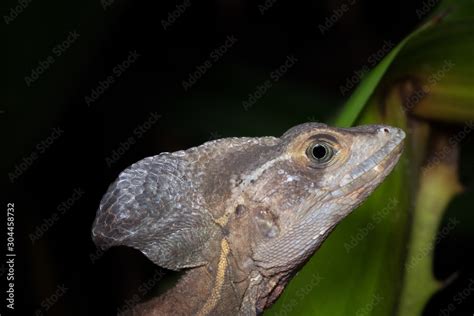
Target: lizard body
{"points": [[242, 215]]}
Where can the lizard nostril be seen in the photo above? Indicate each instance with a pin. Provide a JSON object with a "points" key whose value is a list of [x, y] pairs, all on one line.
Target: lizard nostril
{"points": [[386, 130]]}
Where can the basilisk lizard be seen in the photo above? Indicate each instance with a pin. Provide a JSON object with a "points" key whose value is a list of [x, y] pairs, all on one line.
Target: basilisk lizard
{"points": [[242, 215]]}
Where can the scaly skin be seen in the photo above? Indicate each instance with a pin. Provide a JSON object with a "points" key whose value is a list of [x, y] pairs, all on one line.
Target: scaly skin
{"points": [[242, 215]]}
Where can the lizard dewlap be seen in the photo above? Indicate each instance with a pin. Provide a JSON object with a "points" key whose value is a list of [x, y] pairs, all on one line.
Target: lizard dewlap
{"points": [[241, 215]]}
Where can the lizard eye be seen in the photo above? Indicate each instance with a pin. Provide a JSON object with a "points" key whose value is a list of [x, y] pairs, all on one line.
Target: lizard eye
{"points": [[320, 152]]}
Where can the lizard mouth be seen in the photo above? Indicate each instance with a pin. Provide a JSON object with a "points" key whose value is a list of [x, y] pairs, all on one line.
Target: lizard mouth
{"points": [[378, 172], [365, 177]]}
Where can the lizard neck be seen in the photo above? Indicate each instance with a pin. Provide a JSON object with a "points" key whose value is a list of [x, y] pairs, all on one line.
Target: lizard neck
{"points": [[205, 290]]}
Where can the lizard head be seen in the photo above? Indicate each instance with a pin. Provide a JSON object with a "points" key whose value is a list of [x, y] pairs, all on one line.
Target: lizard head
{"points": [[317, 168], [315, 177]]}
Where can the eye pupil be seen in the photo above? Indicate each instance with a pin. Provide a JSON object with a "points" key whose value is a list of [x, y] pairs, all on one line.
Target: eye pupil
{"points": [[319, 152]]}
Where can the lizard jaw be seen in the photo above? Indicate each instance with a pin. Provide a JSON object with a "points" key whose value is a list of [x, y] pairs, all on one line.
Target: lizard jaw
{"points": [[385, 157], [376, 173]]}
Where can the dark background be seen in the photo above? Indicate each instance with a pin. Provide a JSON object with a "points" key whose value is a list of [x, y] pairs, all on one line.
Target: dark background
{"points": [[64, 255]]}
